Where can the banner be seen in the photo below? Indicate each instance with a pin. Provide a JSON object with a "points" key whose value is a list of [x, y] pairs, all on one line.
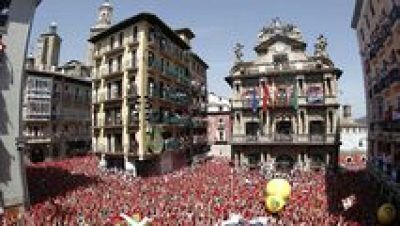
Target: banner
{"points": [[315, 94]]}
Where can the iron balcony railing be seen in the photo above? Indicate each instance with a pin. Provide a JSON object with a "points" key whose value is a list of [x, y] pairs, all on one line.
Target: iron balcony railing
{"points": [[284, 138], [382, 32], [273, 67], [386, 80]]}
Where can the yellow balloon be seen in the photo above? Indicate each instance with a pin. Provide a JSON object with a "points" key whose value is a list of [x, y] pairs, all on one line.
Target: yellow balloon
{"points": [[386, 213], [274, 204], [278, 187]]}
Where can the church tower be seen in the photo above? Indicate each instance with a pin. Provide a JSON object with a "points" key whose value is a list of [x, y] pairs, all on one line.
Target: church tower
{"points": [[48, 49], [104, 18]]}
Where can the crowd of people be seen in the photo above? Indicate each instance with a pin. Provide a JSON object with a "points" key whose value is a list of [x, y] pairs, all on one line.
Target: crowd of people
{"points": [[77, 192]]}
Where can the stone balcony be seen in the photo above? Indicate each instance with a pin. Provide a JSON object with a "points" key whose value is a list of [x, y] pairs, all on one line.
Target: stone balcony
{"points": [[284, 139]]}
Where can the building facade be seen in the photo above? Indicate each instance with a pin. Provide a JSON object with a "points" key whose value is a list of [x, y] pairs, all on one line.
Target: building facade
{"points": [[353, 149], [219, 119], [219, 125], [15, 20], [284, 103], [377, 24], [56, 103], [149, 96]]}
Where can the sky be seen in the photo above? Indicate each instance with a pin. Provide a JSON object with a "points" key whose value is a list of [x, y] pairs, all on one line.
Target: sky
{"points": [[218, 25]]}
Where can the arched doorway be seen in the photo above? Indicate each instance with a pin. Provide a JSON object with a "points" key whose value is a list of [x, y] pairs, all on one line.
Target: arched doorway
{"points": [[284, 163]]}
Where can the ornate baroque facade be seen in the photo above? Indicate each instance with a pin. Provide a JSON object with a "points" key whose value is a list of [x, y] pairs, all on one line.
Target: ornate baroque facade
{"points": [[284, 103], [149, 95]]}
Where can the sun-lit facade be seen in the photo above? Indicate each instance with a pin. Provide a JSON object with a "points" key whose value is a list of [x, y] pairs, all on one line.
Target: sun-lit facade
{"points": [[285, 103], [149, 95]]}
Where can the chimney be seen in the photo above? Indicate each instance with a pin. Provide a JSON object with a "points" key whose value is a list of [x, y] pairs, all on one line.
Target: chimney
{"points": [[346, 111]]}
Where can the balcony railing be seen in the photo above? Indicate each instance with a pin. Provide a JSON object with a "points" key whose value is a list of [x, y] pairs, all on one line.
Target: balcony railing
{"points": [[284, 139], [385, 81], [113, 122], [382, 32], [272, 67], [180, 76]]}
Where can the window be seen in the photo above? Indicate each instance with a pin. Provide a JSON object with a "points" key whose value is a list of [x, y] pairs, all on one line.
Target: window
{"points": [[362, 35], [238, 117], [121, 39], [135, 33], [110, 65], [360, 144], [4, 12], [371, 8], [119, 63], [76, 93], [112, 42], [349, 159], [220, 120], [150, 59], [220, 108], [237, 88], [151, 34], [367, 21], [398, 103], [281, 59]]}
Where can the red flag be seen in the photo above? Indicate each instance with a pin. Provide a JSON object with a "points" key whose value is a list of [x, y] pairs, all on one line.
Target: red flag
{"points": [[265, 97]]}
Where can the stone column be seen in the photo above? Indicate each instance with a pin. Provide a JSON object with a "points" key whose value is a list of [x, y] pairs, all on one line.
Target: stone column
{"points": [[328, 159], [299, 162], [262, 157], [242, 158], [307, 162]]}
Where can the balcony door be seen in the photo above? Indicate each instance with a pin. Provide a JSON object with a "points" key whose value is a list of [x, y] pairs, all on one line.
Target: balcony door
{"points": [[252, 128], [284, 131], [317, 131]]}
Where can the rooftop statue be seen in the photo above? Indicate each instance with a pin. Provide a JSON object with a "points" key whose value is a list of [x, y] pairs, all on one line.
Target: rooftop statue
{"points": [[278, 27], [320, 46], [238, 50]]}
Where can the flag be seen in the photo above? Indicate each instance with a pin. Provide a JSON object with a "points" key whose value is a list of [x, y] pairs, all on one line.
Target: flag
{"points": [[265, 97], [293, 98], [254, 101]]}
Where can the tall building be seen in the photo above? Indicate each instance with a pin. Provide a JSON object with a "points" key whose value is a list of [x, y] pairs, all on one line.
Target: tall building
{"points": [[56, 103], [48, 46], [353, 149], [219, 125], [284, 103], [104, 21], [219, 119], [15, 23], [149, 95], [377, 24]]}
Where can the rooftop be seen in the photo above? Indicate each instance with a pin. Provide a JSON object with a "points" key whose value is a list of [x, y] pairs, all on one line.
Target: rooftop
{"points": [[144, 16]]}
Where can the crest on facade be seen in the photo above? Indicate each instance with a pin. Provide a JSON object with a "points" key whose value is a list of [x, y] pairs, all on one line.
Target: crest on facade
{"points": [[321, 47]]}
